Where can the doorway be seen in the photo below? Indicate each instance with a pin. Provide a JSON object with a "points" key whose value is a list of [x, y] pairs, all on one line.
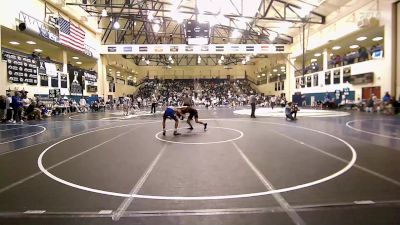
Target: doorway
{"points": [[368, 91]]}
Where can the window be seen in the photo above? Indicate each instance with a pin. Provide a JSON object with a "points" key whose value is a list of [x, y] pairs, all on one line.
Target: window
{"points": [[315, 80], [328, 78], [308, 79], [346, 74], [336, 76]]}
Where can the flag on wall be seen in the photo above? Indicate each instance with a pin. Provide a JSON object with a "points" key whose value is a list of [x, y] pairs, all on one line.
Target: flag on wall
{"points": [[71, 35]]}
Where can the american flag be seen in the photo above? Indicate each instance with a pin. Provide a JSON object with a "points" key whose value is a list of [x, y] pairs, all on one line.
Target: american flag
{"points": [[71, 35]]}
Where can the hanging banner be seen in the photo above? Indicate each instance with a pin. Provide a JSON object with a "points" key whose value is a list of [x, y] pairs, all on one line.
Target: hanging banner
{"points": [[54, 81], [41, 68], [194, 49], [54, 93], [64, 80], [90, 76], [21, 69], [76, 81], [44, 80]]}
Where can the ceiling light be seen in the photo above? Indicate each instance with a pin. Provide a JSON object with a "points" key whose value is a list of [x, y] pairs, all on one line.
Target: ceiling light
{"points": [[14, 43], [317, 54], [104, 13], [38, 50], [336, 47], [263, 74], [313, 60], [118, 72], [109, 69], [354, 46], [79, 63], [156, 27], [31, 42], [361, 38], [235, 34], [304, 11], [150, 16], [116, 25], [270, 74], [258, 76], [76, 57], [282, 67], [331, 54], [178, 17], [272, 36], [377, 38], [275, 70], [118, 75], [278, 74]]}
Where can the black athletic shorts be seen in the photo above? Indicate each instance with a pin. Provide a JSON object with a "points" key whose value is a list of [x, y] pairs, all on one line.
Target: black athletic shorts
{"points": [[194, 114]]}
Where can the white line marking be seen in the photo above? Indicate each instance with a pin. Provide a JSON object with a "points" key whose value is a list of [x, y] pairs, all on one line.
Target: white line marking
{"points": [[278, 197], [388, 179], [58, 138], [105, 212], [368, 132], [22, 126], [35, 211], [125, 204], [44, 129], [187, 198], [364, 202], [64, 161], [203, 143]]}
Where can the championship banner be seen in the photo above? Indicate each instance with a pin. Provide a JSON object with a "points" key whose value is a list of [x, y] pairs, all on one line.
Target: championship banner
{"points": [[64, 80], [54, 81], [76, 82], [21, 69], [195, 49]]}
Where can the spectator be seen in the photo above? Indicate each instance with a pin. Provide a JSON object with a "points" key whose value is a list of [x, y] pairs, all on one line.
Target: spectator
{"points": [[3, 111], [386, 99], [289, 111], [9, 108], [370, 104], [32, 111], [16, 104]]}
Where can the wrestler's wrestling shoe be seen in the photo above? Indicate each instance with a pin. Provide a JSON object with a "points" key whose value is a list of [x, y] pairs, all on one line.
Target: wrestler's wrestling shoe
{"points": [[205, 126]]}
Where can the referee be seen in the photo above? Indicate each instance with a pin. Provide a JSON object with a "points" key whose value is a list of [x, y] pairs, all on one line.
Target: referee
{"points": [[253, 101]]}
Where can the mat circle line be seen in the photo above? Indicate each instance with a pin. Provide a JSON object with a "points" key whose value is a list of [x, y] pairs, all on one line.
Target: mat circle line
{"points": [[369, 132], [202, 143], [202, 198], [27, 125]]}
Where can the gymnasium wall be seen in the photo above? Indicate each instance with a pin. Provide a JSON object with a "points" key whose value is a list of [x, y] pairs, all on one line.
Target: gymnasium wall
{"points": [[344, 22], [190, 72], [374, 66]]}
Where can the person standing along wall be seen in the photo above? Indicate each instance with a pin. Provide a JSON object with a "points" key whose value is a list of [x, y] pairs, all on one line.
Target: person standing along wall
{"points": [[253, 101], [153, 104]]}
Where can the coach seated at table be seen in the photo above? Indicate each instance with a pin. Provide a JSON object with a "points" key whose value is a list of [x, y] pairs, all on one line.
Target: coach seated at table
{"points": [[33, 112], [291, 110]]}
